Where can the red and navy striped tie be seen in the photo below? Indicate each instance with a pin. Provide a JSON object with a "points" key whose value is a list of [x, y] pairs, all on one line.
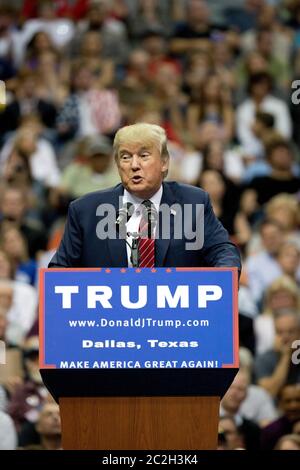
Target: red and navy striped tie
{"points": [[146, 241]]}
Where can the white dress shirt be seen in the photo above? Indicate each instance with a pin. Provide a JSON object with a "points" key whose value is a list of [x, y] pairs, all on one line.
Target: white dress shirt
{"points": [[133, 224]]}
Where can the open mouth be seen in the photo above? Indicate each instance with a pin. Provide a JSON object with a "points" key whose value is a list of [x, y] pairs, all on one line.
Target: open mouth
{"points": [[136, 179]]}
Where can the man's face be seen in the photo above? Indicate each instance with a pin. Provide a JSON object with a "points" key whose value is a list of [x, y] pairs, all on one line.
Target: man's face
{"points": [[141, 168], [281, 158], [13, 206], [100, 163], [236, 393], [287, 329], [232, 437], [272, 238], [281, 299], [49, 421]]}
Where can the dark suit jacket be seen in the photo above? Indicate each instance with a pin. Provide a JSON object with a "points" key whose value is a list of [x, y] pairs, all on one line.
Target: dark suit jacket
{"points": [[80, 246]]}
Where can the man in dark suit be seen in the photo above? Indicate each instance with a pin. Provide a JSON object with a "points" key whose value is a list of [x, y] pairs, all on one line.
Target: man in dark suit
{"points": [[142, 158]]}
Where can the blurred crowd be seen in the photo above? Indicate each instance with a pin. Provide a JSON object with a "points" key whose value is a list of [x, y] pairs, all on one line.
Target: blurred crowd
{"points": [[221, 77]]}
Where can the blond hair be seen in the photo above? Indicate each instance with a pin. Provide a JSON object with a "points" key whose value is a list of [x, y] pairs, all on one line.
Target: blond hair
{"points": [[282, 283], [284, 201], [145, 133]]}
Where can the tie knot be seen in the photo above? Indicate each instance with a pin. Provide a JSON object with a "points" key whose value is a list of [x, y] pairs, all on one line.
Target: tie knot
{"points": [[147, 203], [149, 218]]}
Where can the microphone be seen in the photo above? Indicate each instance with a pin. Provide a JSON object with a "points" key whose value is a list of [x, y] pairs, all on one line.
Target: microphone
{"points": [[124, 214], [134, 253], [151, 216]]}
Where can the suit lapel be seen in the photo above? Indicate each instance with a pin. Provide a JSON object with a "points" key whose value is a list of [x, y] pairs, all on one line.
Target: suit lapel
{"points": [[162, 245], [117, 247]]}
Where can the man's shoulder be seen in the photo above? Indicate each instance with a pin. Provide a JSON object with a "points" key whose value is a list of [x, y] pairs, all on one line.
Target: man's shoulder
{"points": [[186, 193]]}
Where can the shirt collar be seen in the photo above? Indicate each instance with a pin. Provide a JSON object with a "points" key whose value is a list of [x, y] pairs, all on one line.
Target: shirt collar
{"points": [[155, 199]]}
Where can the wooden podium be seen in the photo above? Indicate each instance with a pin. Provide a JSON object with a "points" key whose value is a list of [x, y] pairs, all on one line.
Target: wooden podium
{"points": [[140, 423], [181, 410]]}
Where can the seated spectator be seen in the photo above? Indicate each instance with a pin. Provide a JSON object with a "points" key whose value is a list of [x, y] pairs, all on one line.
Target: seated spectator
{"points": [[283, 293], [154, 43], [246, 218], [137, 78], [274, 368], [258, 405], [48, 428], [95, 173], [144, 16], [196, 29], [213, 105], [112, 31], [279, 68], [88, 110], [281, 43], [39, 152], [13, 208], [289, 405], [263, 129], [38, 44], [14, 244], [283, 210], [214, 156], [27, 399], [16, 171], [230, 406], [103, 69], [217, 157], [26, 102], [289, 260], [260, 98], [167, 99], [281, 178], [53, 71], [263, 268], [214, 183], [229, 437], [60, 29]]}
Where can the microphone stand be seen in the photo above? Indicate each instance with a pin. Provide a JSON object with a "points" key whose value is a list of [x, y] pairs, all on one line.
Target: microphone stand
{"points": [[134, 248]]}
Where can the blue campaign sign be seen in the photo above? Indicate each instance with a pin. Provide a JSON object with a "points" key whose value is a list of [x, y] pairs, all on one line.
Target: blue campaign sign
{"points": [[138, 318]]}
